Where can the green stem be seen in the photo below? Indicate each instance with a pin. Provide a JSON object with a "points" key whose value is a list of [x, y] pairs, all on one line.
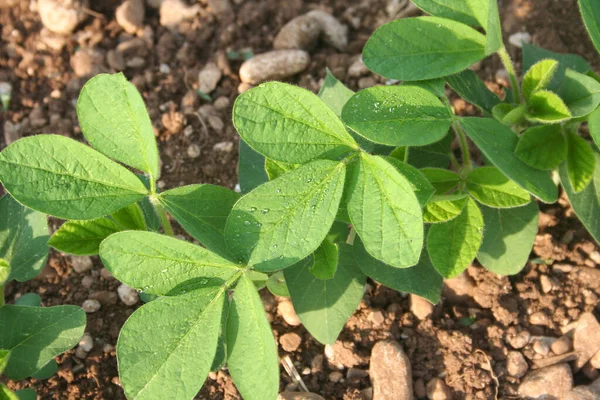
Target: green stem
{"points": [[351, 237], [508, 64], [1, 295], [162, 216], [464, 146]]}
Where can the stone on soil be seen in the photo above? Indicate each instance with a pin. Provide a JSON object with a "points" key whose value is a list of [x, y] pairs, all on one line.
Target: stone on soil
{"points": [[334, 32], [516, 364], [543, 383], [562, 345], [300, 33], [173, 12], [273, 65], [420, 307], [130, 15], [61, 16], [390, 372], [586, 339], [286, 310], [290, 341], [86, 343], [90, 306], [128, 295], [81, 263], [438, 390], [298, 396], [209, 77]]}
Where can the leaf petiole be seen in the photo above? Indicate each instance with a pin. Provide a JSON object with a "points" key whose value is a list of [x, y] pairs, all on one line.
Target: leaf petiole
{"points": [[162, 216], [508, 64]]}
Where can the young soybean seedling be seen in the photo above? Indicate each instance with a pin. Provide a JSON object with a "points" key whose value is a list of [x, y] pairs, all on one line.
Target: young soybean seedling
{"points": [[30, 335]]}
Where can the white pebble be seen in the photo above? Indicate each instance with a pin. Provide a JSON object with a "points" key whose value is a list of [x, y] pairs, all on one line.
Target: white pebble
{"points": [[90, 306], [128, 295]]}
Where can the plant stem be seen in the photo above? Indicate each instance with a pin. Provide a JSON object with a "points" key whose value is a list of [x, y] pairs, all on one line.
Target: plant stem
{"points": [[351, 237], [464, 146], [162, 216], [1, 295], [508, 64]]}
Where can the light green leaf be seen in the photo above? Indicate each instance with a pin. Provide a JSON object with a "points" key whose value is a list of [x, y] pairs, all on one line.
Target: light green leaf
{"points": [[436, 155], [23, 239], [533, 54], [547, 108], [580, 93], [251, 168], [4, 357], [7, 394], [590, 11], [397, 115], [498, 143], [161, 265], [290, 124], [167, 338], [509, 114], [444, 208], [580, 161], [421, 279], [471, 88], [453, 245], [251, 345], [492, 188], [4, 273], [61, 177], [325, 261], [538, 77], [493, 28], [594, 126], [29, 299], [442, 180], [542, 147], [277, 168], [385, 211], [334, 93], [324, 306], [470, 12], [586, 203], [400, 49], [130, 217], [508, 239], [284, 220], [35, 335], [418, 182], [202, 210], [277, 285], [114, 120], [83, 237]]}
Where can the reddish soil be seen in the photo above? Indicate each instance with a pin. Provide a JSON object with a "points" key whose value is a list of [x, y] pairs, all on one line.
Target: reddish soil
{"points": [[463, 342]]}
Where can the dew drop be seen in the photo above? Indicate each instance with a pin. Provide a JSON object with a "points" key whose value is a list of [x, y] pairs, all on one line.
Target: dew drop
{"points": [[252, 209], [246, 222], [274, 246], [164, 271], [265, 210], [278, 190]]}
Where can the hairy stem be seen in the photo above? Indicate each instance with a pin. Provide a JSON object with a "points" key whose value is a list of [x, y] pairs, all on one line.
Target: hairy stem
{"points": [[464, 146], [508, 64], [162, 216]]}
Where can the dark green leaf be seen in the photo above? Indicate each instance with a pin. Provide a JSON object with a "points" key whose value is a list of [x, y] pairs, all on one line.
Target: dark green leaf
{"points": [[594, 125], [442, 180], [325, 261], [83, 237], [509, 114], [251, 168], [436, 155], [29, 299], [542, 147], [47, 371], [580, 161], [580, 93], [419, 183], [334, 93], [590, 11], [130, 217], [492, 188], [471, 88]]}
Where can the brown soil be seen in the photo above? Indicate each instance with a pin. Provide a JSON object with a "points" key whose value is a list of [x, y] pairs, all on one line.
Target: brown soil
{"points": [[465, 340]]}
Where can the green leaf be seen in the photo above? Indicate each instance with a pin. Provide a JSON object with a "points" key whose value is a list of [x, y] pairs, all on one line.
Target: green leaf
{"points": [[47, 371], [418, 182], [252, 360], [471, 88], [161, 265], [542, 147], [453, 245], [26, 394], [590, 11], [29, 299], [4, 357], [385, 211], [444, 208], [202, 210], [533, 54], [35, 335], [538, 77], [580, 161], [7, 394], [397, 115], [23, 239], [130, 217], [167, 338], [277, 285], [61, 177], [4, 272], [491, 187], [442, 180], [580, 93], [325, 261], [435, 86], [400, 49], [594, 126], [509, 237], [284, 220], [290, 124], [334, 93], [470, 12], [114, 120], [436, 155], [498, 143], [586, 203], [251, 168], [421, 279], [493, 28], [338, 232], [547, 108], [277, 168], [324, 306], [509, 114], [83, 237]]}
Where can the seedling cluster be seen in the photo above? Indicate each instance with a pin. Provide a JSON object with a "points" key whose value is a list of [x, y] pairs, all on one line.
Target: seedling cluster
{"points": [[335, 188]]}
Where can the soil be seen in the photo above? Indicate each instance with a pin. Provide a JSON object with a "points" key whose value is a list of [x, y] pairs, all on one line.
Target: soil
{"points": [[465, 340]]}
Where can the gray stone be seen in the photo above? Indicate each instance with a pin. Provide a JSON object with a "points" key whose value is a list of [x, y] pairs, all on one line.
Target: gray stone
{"points": [[128, 295], [390, 372], [586, 339], [209, 77], [273, 65], [516, 364], [90, 306], [81, 263], [421, 307], [544, 383], [130, 16]]}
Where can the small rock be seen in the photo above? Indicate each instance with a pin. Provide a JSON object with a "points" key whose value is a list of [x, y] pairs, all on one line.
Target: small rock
{"points": [[173, 121], [562, 345], [106, 274], [128, 295], [12, 132], [336, 376], [220, 8], [334, 32], [298, 396], [286, 310], [90, 306], [595, 256], [105, 297], [516, 364], [87, 62], [542, 347], [545, 283], [81, 263], [420, 307], [502, 77], [193, 151], [216, 123], [273, 65], [130, 15], [376, 317], [562, 268], [358, 68], [80, 353], [154, 3], [586, 339], [209, 77], [316, 364], [390, 372], [225, 147], [539, 318], [300, 33], [115, 60], [87, 281], [438, 390], [86, 343], [590, 372], [356, 373], [136, 62], [366, 394], [517, 39], [459, 289], [343, 355], [420, 390], [189, 102], [290, 341], [587, 277], [547, 382], [244, 87], [61, 16], [108, 348], [52, 40], [173, 12], [366, 82], [222, 103], [519, 340]]}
